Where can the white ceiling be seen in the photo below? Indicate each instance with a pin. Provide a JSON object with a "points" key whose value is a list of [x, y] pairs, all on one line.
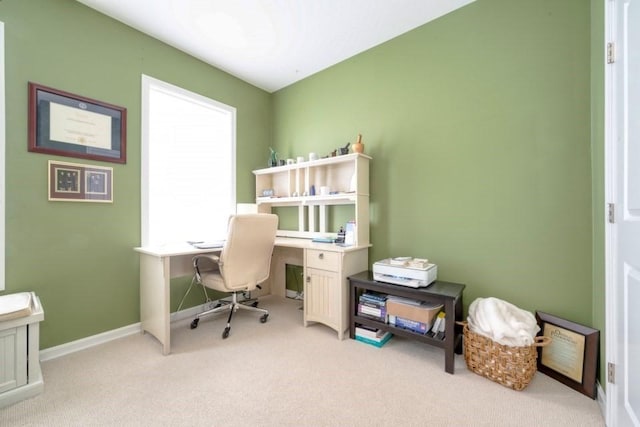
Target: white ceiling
{"points": [[274, 43]]}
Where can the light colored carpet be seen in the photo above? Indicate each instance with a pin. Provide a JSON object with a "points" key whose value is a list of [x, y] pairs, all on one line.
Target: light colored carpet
{"points": [[283, 374]]}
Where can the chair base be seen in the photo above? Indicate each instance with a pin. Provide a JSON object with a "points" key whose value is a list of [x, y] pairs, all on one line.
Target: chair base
{"points": [[232, 307]]}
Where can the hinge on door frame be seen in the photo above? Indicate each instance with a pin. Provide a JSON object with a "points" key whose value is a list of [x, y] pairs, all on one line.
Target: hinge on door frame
{"points": [[611, 213], [611, 373], [610, 53]]}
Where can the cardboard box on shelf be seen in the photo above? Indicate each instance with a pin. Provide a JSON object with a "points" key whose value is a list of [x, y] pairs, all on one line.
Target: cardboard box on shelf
{"points": [[422, 312]]}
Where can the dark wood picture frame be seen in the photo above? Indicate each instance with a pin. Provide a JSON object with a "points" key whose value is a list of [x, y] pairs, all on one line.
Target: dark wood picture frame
{"points": [[65, 124], [73, 182], [572, 355]]}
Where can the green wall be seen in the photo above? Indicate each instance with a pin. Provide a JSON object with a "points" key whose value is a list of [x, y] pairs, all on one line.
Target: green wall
{"points": [[78, 257], [478, 125]]}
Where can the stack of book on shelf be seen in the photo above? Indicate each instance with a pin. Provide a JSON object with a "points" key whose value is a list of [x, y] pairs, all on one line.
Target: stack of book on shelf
{"points": [[373, 306], [375, 337]]}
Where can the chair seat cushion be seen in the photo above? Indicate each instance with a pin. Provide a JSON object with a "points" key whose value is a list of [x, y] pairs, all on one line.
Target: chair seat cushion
{"points": [[213, 280]]}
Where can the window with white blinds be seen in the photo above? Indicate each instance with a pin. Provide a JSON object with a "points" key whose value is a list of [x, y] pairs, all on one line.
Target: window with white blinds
{"points": [[188, 165]]}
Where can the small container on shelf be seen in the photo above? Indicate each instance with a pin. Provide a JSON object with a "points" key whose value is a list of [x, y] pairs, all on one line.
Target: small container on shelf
{"points": [[358, 147]]}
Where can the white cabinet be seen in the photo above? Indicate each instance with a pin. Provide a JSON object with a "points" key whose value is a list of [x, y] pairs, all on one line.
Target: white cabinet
{"points": [[322, 290], [20, 375], [326, 296], [345, 179], [322, 299], [13, 368]]}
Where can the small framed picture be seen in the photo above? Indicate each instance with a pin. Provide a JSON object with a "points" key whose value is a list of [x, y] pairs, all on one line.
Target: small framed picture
{"points": [[73, 182], [572, 355]]}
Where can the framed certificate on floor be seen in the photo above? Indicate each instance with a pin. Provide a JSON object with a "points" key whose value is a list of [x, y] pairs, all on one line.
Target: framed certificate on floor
{"points": [[572, 355]]}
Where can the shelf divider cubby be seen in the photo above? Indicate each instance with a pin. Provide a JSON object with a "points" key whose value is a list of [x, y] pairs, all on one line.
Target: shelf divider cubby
{"points": [[347, 177]]}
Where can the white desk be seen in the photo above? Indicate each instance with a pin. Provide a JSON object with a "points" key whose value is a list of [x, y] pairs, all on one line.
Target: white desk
{"points": [[159, 264]]}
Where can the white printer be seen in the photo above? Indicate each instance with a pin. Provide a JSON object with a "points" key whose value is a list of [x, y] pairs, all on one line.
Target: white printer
{"points": [[405, 271]]}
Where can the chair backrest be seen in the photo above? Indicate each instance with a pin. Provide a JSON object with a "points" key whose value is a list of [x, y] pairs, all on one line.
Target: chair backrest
{"points": [[246, 255]]}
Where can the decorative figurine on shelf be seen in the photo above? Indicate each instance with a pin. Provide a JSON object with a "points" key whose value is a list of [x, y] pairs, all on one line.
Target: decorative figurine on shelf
{"points": [[273, 157], [358, 147], [344, 150]]}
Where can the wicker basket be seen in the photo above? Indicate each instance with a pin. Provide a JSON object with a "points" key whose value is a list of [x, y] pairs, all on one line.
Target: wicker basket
{"points": [[512, 367]]}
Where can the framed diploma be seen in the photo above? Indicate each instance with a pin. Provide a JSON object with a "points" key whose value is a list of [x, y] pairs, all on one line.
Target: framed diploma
{"points": [[73, 182], [69, 125], [572, 355]]}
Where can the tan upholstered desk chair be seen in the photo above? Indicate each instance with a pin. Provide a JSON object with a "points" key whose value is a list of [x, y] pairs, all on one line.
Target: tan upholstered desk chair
{"points": [[242, 265]]}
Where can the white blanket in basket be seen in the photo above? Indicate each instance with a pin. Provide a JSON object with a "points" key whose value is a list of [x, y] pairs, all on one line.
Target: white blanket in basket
{"points": [[502, 321]]}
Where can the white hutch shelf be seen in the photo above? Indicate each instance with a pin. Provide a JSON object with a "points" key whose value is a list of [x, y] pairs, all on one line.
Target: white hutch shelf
{"points": [[347, 179]]}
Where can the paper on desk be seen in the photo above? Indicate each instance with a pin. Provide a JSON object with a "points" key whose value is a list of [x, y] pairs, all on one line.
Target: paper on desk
{"points": [[209, 245]]}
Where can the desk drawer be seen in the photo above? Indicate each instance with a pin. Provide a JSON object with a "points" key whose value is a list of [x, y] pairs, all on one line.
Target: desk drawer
{"points": [[324, 260]]}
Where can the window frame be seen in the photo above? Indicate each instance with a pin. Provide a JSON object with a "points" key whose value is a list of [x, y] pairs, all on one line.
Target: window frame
{"points": [[147, 84]]}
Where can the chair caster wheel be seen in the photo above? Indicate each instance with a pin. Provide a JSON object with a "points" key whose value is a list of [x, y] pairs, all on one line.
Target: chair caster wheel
{"points": [[255, 304], [263, 318], [194, 324], [225, 334]]}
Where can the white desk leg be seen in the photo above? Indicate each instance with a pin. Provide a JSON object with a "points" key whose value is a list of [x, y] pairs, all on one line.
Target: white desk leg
{"points": [[154, 298]]}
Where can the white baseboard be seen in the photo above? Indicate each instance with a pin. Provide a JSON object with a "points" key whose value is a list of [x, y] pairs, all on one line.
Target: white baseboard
{"points": [[602, 400], [84, 343]]}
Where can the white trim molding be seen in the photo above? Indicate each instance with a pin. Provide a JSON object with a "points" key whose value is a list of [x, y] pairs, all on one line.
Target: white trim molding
{"points": [[88, 342], [602, 400], [92, 341]]}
